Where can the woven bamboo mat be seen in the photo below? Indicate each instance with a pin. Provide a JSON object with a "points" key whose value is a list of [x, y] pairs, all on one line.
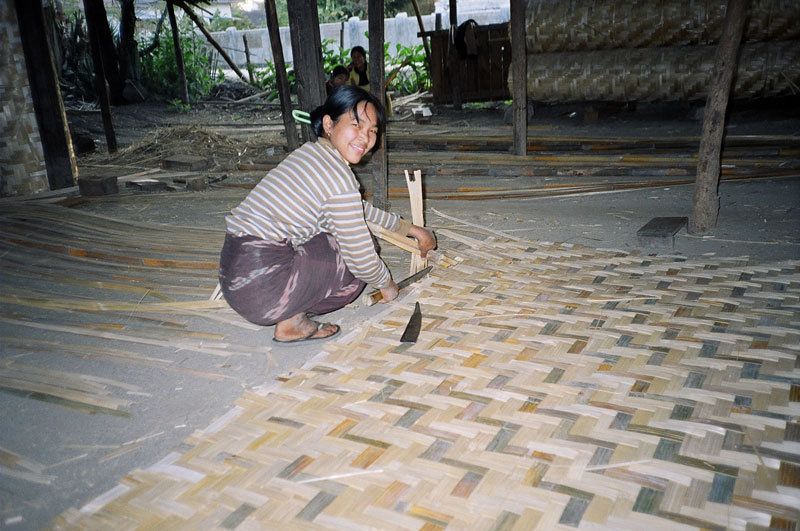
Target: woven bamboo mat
{"points": [[555, 26], [764, 69], [551, 386]]}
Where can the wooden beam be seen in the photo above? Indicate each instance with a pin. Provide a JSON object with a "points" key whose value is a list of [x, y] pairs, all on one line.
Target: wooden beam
{"points": [[307, 54], [59, 157], [202, 27], [292, 140], [176, 42], [422, 30], [380, 175], [519, 74], [92, 14], [705, 204]]}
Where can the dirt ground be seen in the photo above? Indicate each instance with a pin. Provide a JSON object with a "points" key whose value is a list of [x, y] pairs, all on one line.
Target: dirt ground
{"points": [[759, 218]]}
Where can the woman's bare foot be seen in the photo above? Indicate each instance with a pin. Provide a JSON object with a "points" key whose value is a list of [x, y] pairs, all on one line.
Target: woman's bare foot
{"points": [[300, 327]]}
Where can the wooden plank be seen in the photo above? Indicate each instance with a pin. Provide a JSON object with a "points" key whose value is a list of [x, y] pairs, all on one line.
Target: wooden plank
{"points": [[660, 230], [184, 162]]}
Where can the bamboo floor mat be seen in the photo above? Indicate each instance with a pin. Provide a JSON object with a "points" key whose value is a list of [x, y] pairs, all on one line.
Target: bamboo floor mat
{"points": [[551, 386]]}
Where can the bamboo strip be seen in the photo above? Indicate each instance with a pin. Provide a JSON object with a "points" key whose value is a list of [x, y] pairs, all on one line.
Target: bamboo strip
{"points": [[417, 214]]}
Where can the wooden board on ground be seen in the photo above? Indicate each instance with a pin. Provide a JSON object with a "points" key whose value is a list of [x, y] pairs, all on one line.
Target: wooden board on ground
{"points": [[185, 162], [660, 231]]}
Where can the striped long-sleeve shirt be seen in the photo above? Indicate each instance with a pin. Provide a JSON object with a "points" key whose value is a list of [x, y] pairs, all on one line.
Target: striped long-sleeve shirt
{"points": [[314, 190]]}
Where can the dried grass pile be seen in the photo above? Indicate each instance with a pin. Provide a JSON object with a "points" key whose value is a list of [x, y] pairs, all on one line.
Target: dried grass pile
{"points": [[221, 150]]}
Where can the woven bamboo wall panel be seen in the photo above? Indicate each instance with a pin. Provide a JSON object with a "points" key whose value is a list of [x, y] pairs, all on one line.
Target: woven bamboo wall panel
{"points": [[660, 74], [22, 166], [552, 386], [580, 25]]}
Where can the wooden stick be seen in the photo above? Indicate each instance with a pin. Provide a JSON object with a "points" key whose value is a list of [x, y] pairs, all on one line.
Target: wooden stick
{"points": [[417, 214], [209, 38]]}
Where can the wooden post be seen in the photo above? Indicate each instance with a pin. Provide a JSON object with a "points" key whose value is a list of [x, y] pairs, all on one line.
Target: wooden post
{"points": [[128, 48], [422, 30], [455, 63], [100, 79], [307, 54], [292, 140], [380, 174], [59, 158], [705, 205], [97, 19], [202, 27], [519, 68], [247, 59], [176, 40]]}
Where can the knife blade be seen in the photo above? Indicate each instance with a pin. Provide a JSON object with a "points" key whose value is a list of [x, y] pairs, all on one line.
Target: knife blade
{"points": [[371, 298]]}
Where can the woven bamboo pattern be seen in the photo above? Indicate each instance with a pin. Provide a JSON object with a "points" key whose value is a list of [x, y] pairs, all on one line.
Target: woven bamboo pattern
{"points": [[551, 386], [22, 165], [660, 74], [585, 25]]}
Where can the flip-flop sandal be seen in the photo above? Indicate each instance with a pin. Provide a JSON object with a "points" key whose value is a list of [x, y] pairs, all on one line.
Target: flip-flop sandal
{"points": [[309, 338]]}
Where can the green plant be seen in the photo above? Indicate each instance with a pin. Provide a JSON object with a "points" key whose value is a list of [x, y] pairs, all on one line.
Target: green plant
{"points": [[333, 56], [339, 10], [413, 71], [176, 105], [77, 70], [160, 70], [265, 78], [238, 20]]}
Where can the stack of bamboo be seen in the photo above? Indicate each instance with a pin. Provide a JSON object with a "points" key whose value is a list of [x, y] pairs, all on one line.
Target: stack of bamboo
{"points": [[654, 50]]}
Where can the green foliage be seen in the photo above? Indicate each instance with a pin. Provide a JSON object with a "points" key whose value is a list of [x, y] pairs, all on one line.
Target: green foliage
{"points": [[220, 23], [340, 10], [414, 71], [333, 56], [160, 70], [77, 70], [265, 79], [176, 105]]}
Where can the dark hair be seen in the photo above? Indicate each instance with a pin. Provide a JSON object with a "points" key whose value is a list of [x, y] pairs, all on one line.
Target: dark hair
{"points": [[339, 70], [359, 49], [343, 100]]}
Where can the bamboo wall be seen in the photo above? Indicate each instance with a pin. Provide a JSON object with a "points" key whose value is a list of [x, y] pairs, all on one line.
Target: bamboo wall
{"points": [[655, 50], [22, 164]]}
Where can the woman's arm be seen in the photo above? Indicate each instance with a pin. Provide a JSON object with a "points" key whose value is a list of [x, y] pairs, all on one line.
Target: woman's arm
{"points": [[424, 237]]}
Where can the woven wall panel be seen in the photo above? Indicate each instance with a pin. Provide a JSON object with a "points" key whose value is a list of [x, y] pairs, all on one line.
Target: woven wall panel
{"points": [[660, 74], [578, 25], [22, 166]]}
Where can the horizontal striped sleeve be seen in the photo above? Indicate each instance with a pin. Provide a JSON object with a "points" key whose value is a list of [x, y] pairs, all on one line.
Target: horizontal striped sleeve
{"points": [[344, 218], [387, 220]]}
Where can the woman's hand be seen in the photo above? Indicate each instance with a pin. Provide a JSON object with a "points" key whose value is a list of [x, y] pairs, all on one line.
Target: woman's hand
{"points": [[389, 293], [424, 237]]}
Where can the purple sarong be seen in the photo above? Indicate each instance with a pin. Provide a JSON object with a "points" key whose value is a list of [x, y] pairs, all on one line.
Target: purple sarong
{"points": [[267, 281]]}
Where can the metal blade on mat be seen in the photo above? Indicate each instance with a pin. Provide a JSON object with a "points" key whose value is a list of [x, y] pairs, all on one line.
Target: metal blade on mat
{"points": [[413, 327]]}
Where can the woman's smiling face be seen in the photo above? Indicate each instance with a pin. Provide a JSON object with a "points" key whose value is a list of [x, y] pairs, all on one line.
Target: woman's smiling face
{"points": [[352, 137]]}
